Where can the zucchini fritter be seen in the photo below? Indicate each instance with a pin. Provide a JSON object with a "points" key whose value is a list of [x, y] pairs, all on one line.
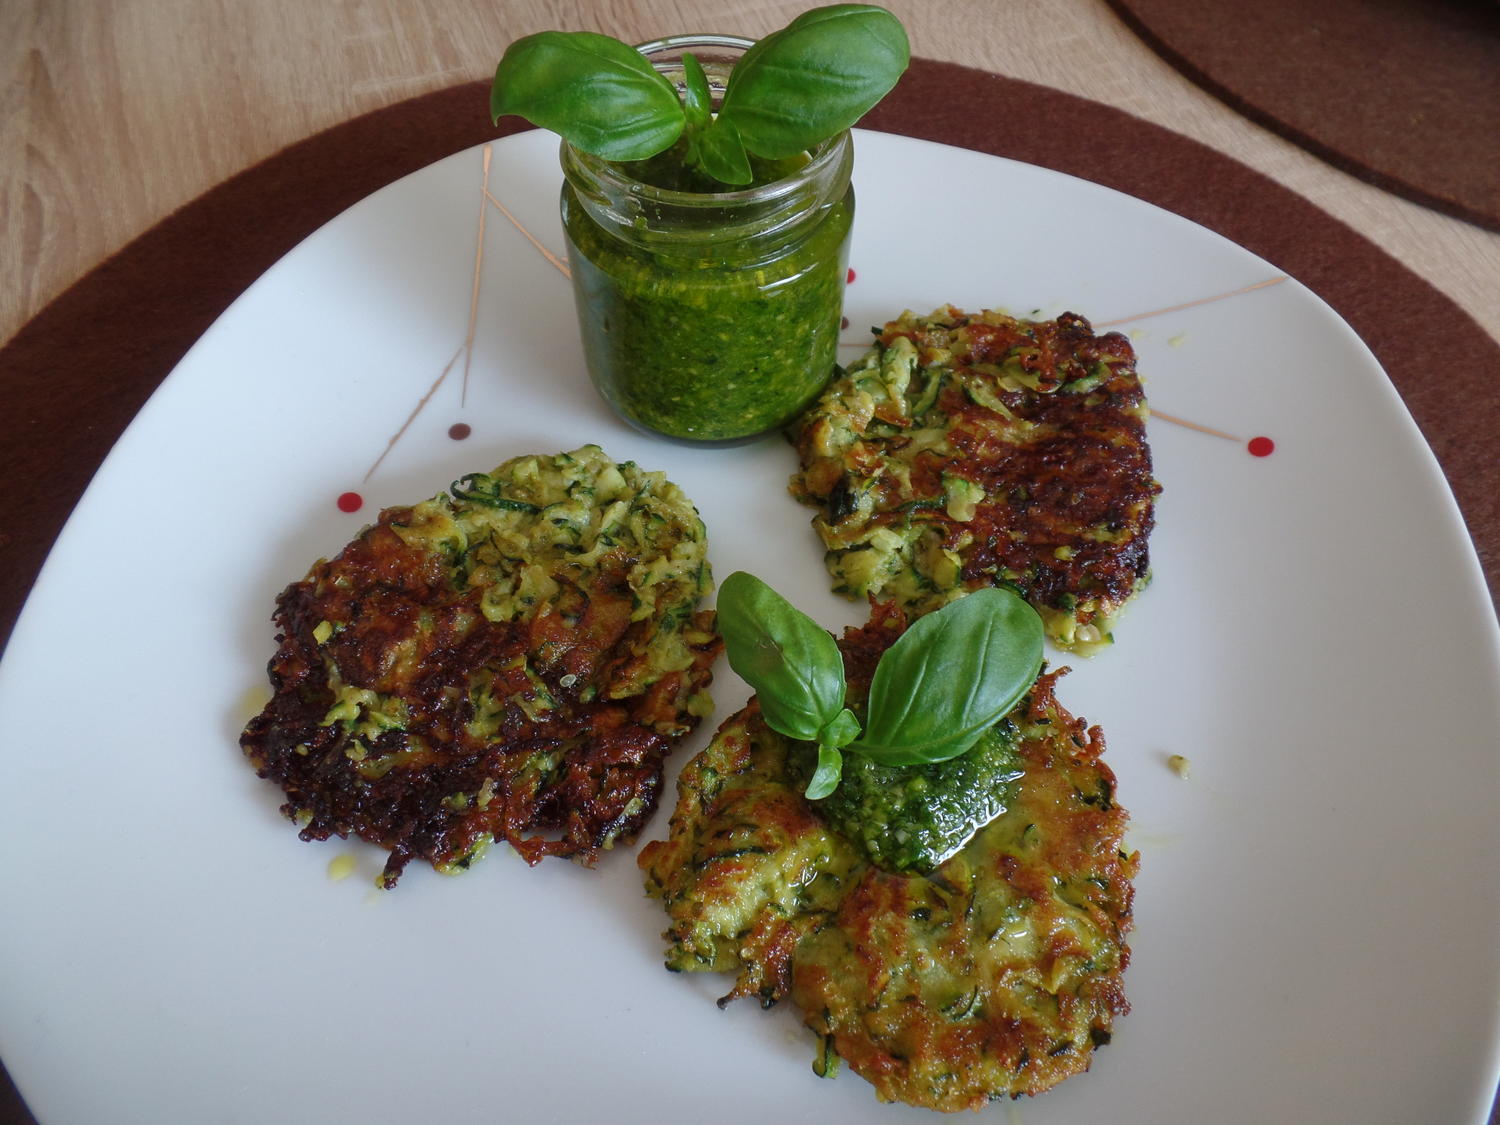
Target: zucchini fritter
{"points": [[994, 974], [512, 661], [967, 450]]}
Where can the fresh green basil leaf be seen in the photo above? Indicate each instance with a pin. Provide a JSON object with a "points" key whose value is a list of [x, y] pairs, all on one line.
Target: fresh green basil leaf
{"points": [[597, 93], [840, 730], [814, 78], [790, 661], [951, 675], [826, 777], [697, 98], [697, 108], [721, 154]]}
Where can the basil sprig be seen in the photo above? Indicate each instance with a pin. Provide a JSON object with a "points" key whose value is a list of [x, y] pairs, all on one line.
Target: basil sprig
{"points": [[794, 666], [788, 93], [948, 678]]}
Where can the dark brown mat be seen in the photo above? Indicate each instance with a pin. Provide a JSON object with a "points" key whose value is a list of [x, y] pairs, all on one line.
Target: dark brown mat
{"points": [[1402, 93], [73, 377]]}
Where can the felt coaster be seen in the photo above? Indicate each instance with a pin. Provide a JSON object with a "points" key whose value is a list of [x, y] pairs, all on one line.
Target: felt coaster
{"points": [[75, 375], [1402, 93]]}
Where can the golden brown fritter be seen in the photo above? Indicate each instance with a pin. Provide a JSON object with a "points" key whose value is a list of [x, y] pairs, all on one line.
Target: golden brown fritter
{"points": [[509, 662], [995, 974], [967, 450]]}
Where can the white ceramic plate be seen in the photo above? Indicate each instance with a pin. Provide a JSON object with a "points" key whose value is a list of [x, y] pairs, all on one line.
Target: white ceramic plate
{"points": [[1317, 905]]}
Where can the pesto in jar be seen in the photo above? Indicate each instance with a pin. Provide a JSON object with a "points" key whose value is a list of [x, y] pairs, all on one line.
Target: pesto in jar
{"points": [[709, 316]]}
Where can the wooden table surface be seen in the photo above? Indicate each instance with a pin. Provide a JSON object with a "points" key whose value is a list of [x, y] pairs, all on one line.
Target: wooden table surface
{"points": [[115, 114]]}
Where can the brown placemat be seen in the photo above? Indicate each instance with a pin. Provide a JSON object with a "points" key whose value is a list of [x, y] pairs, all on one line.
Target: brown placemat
{"points": [[73, 377], [1402, 93]]}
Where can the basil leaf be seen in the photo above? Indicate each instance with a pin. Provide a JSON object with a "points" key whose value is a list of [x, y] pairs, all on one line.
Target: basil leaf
{"points": [[949, 677], [722, 155], [697, 98], [839, 731], [597, 93], [790, 661], [814, 78], [826, 777]]}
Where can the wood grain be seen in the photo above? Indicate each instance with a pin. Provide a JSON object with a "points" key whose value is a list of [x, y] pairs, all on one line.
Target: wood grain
{"points": [[114, 115]]}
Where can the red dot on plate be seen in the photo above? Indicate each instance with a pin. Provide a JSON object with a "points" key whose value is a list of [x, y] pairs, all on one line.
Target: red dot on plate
{"points": [[459, 430], [1261, 447], [851, 275], [350, 501]]}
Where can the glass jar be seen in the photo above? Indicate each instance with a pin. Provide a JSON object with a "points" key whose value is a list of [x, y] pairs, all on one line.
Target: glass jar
{"points": [[708, 317]]}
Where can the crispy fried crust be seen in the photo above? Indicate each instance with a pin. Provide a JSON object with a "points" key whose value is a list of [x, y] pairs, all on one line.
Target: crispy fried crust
{"points": [[973, 449], [437, 688], [996, 974]]}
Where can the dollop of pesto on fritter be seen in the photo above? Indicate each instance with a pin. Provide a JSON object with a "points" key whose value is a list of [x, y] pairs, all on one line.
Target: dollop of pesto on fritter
{"points": [[966, 450], [511, 660], [995, 973]]}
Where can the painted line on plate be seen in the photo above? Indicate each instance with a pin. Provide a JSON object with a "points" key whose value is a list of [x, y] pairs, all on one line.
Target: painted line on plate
{"points": [[484, 191], [1194, 304], [412, 417]]}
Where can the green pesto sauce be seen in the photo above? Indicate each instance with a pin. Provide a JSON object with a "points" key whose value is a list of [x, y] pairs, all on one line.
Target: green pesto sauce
{"points": [[716, 348], [911, 818]]}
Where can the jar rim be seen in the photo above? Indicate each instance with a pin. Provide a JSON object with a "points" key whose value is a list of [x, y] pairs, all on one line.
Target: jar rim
{"points": [[827, 153], [695, 39]]}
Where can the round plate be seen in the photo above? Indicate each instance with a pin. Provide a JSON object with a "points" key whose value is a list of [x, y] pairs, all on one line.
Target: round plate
{"points": [[1317, 902]]}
